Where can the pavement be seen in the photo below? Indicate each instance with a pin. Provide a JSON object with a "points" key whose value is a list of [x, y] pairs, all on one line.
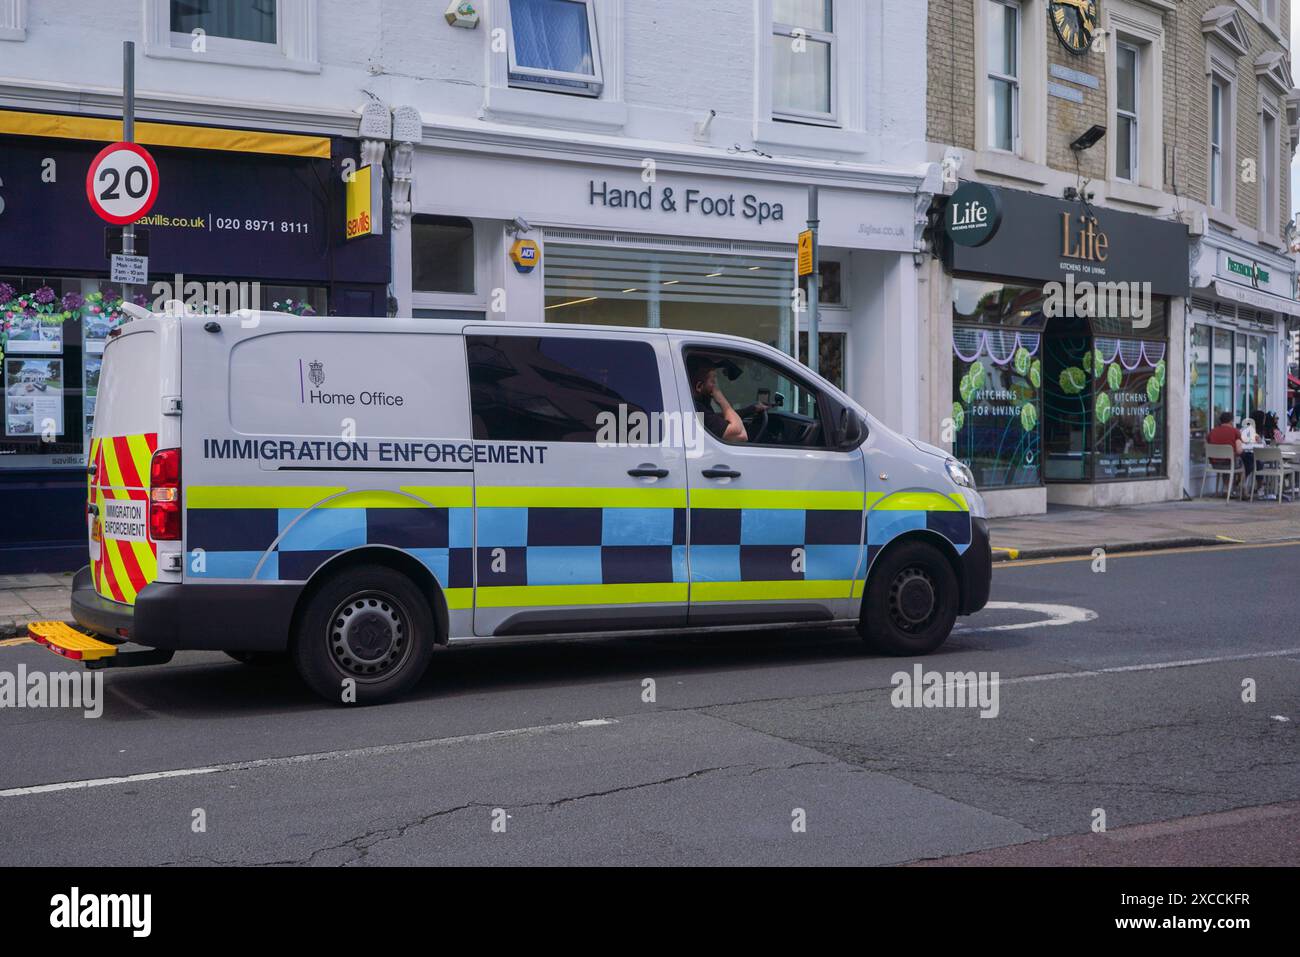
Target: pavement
{"points": [[34, 597], [1063, 530], [1072, 530], [1137, 720]]}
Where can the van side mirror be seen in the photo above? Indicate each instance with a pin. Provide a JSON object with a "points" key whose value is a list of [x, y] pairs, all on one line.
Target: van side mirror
{"points": [[850, 430], [778, 400]]}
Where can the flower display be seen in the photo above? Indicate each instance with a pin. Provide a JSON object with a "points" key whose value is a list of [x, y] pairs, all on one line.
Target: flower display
{"points": [[296, 307]]}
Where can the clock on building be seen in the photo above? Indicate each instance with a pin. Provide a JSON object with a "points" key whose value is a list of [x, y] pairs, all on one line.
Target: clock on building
{"points": [[1075, 22]]}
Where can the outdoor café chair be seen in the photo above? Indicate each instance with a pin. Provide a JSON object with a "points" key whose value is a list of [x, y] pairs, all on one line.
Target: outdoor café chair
{"points": [[1291, 465], [1270, 469], [1233, 467]]}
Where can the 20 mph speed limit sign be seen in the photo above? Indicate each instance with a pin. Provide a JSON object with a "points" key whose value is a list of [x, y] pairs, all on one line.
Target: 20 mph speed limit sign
{"points": [[122, 183]]}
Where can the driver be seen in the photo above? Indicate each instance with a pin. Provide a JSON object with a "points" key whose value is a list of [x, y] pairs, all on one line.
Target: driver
{"points": [[726, 425]]}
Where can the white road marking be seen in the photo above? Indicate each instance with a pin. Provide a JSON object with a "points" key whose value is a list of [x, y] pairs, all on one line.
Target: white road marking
{"points": [[1056, 615], [1152, 666], [303, 758]]}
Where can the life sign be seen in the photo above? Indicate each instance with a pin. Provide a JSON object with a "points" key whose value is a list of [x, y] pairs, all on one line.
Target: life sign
{"points": [[122, 183], [973, 215]]}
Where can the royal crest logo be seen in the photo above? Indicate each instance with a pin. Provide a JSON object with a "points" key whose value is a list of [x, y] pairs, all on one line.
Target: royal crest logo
{"points": [[316, 372]]}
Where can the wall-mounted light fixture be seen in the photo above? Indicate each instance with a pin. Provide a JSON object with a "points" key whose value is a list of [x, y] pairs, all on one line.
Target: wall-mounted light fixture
{"points": [[1088, 139]]}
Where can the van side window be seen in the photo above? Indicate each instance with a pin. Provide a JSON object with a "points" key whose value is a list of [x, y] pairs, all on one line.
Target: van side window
{"points": [[774, 407], [552, 388]]}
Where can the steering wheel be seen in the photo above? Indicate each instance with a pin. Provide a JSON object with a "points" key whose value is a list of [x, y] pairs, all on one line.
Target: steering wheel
{"points": [[759, 426]]}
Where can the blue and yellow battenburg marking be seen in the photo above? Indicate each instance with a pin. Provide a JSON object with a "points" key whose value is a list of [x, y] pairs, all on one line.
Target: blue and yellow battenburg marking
{"points": [[774, 545], [573, 546], [286, 533], [580, 546], [894, 514]]}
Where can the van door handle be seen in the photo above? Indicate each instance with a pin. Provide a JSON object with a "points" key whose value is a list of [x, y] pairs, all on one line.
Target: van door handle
{"points": [[92, 508], [720, 471], [647, 471]]}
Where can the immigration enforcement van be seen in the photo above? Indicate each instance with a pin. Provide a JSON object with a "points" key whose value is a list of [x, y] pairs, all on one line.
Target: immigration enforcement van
{"points": [[353, 493]]}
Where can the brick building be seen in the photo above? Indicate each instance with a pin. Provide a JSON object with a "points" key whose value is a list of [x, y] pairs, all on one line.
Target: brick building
{"points": [[1167, 126]]}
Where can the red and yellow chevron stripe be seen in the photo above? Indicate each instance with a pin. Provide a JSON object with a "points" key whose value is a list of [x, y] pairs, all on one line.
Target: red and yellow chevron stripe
{"points": [[124, 564]]}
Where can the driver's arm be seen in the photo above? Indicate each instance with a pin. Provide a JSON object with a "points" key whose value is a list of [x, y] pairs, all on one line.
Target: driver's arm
{"points": [[735, 430]]}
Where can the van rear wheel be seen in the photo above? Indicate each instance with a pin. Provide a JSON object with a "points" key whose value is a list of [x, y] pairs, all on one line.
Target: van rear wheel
{"points": [[911, 601], [366, 636]]}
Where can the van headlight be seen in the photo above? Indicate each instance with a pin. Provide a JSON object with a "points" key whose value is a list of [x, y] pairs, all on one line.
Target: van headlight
{"points": [[959, 473]]}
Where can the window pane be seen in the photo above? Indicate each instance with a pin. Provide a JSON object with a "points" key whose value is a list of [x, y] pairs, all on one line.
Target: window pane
{"points": [[1002, 47], [1002, 109], [996, 404], [1242, 388], [236, 19], [801, 81], [552, 35], [1200, 391], [544, 389], [830, 355], [1222, 374], [746, 296], [1126, 79], [442, 254], [1216, 107], [754, 387], [809, 14], [1124, 147], [1129, 409]]}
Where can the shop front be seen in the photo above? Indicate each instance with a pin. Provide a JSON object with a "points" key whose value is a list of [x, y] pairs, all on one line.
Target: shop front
{"points": [[1057, 320], [669, 241], [1242, 302], [243, 219]]}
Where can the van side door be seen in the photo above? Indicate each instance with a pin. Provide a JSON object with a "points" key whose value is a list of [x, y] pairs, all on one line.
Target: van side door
{"points": [[580, 517], [776, 511]]}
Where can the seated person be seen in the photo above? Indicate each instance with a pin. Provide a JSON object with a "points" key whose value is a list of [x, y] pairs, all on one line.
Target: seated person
{"points": [[1225, 433], [1272, 429], [726, 425]]}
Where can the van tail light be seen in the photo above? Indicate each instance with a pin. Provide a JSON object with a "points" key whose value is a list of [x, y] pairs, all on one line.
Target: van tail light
{"points": [[165, 496]]}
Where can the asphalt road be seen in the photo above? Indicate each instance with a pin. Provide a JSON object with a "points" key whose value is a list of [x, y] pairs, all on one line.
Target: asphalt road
{"points": [[1136, 713]]}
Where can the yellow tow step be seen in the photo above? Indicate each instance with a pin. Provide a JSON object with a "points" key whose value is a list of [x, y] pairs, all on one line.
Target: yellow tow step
{"points": [[62, 639]]}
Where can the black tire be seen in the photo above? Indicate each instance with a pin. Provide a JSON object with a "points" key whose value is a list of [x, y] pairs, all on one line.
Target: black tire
{"points": [[259, 659], [911, 600], [370, 624]]}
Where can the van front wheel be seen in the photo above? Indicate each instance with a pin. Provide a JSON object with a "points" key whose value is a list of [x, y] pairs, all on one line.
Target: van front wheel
{"points": [[911, 601], [365, 636]]}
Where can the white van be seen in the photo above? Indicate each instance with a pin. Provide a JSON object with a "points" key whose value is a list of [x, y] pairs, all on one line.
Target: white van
{"points": [[355, 492]]}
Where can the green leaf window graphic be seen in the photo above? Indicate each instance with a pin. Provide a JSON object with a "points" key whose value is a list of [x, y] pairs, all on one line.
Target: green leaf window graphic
{"points": [[995, 406], [1102, 407], [1073, 380]]}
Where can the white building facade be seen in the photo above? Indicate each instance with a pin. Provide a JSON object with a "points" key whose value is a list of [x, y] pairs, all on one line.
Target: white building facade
{"points": [[608, 161]]}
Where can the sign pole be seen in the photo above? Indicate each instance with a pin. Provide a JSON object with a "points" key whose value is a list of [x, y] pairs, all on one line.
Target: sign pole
{"points": [[128, 136], [814, 281]]}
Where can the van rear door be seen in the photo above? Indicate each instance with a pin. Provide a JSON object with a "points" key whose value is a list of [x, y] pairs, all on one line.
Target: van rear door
{"points": [[127, 424]]}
